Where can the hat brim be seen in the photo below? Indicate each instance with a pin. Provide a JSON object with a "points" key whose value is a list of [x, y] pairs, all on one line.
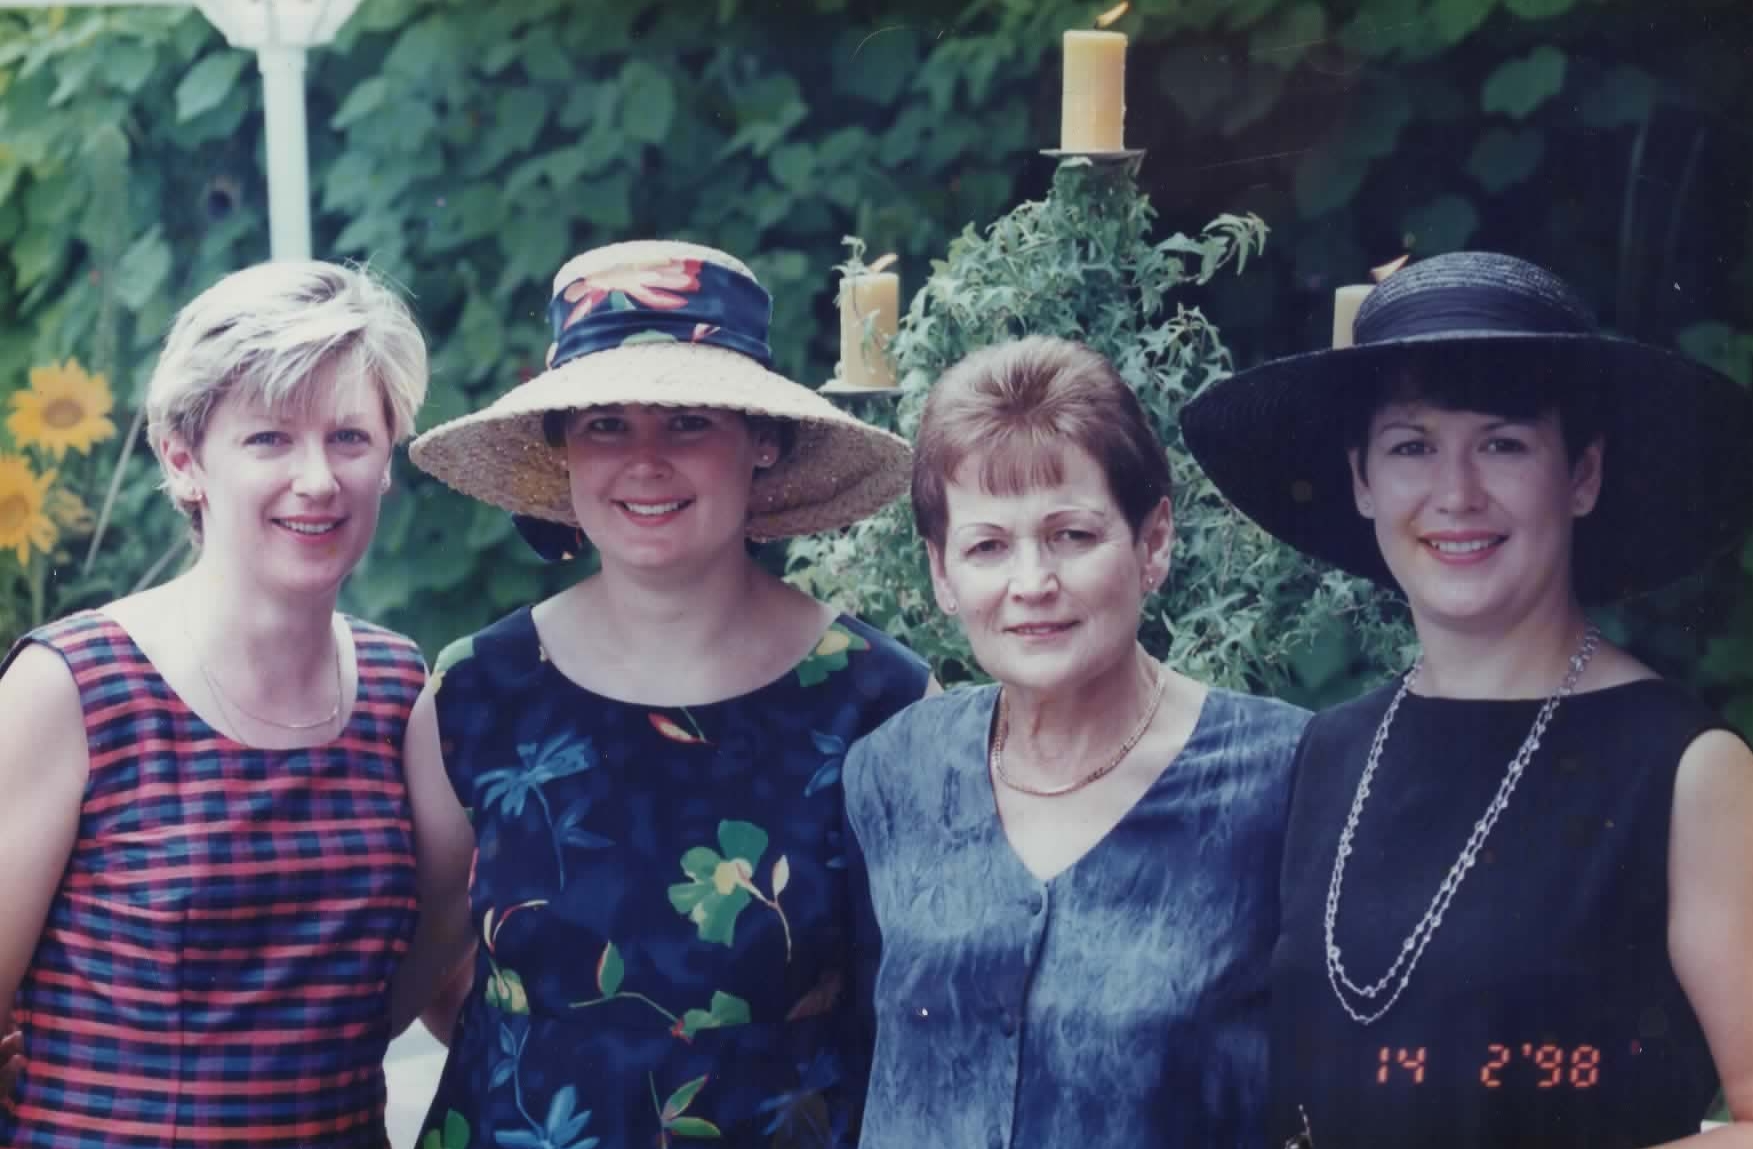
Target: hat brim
{"points": [[838, 469], [1677, 483]]}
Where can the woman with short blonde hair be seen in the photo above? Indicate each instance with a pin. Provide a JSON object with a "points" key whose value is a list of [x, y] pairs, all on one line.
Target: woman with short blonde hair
{"points": [[209, 852]]}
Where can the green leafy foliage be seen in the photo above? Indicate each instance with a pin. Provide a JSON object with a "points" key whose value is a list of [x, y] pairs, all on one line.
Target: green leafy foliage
{"points": [[1239, 609], [467, 150]]}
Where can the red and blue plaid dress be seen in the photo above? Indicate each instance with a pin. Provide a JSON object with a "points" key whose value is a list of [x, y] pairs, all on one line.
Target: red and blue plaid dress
{"points": [[215, 965]]}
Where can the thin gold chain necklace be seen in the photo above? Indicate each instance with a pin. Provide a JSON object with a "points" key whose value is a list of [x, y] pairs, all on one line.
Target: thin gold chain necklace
{"points": [[228, 703], [1003, 730]]}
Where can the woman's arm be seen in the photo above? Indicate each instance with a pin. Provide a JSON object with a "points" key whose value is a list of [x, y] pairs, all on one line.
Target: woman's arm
{"points": [[43, 767], [1710, 916], [444, 842]]}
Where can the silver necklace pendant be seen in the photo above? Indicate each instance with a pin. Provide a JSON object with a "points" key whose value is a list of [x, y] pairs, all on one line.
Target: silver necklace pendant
{"points": [[1399, 974]]}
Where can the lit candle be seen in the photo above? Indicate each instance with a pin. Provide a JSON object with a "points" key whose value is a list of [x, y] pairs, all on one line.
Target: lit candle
{"points": [[876, 297], [1092, 109], [1346, 301]]}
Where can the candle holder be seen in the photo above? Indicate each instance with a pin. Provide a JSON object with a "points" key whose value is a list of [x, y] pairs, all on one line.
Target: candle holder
{"points": [[1131, 159], [838, 388]]}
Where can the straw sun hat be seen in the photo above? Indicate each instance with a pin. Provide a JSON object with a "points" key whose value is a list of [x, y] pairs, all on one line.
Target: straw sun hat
{"points": [[675, 325], [1677, 482]]}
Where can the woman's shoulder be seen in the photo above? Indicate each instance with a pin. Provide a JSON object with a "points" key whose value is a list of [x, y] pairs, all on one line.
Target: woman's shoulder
{"points": [[380, 645], [881, 646], [1256, 714], [938, 720], [496, 652]]}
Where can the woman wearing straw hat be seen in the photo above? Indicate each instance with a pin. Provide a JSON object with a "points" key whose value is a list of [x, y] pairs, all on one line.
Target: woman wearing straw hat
{"points": [[1518, 883], [210, 868], [663, 900]]}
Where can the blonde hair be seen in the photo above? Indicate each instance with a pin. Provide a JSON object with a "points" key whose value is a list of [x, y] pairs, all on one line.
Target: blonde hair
{"points": [[265, 331]]}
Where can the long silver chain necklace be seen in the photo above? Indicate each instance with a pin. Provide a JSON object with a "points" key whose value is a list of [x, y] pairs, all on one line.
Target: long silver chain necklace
{"points": [[1002, 731], [1412, 948], [228, 703]]}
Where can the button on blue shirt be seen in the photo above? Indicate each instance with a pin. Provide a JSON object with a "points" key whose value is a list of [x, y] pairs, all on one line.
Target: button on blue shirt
{"points": [[1122, 1003]]}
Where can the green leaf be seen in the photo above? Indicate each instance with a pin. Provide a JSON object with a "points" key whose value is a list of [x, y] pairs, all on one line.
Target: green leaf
{"points": [[477, 211], [879, 62], [482, 332], [141, 272], [648, 102], [682, 1098], [743, 840], [1455, 20], [718, 916], [729, 1009], [610, 971], [209, 83], [694, 1127], [1719, 346], [519, 118], [1502, 158], [128, 64], [510, 584], [701, 863], [365, 98], [456, 1131], [543, 60], [1444, 224], [606, 202], [793, 165], [350, 181], [1518, 87], [425, 51]]}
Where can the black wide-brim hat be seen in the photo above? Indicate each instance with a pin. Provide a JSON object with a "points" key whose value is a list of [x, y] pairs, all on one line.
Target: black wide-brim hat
{"points": [[1677, 483]]}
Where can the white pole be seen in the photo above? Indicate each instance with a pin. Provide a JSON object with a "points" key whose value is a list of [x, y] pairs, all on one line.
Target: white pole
{"points": [[288, 162]]}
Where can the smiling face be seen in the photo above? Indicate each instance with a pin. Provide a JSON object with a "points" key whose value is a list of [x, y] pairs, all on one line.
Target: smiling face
{"points": [[655, 486], [288, 495], [1474, 512], [1048, 581]]}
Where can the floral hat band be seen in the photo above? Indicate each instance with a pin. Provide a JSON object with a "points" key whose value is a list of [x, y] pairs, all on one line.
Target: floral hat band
{"points": [[660, 301], [668, 324]]}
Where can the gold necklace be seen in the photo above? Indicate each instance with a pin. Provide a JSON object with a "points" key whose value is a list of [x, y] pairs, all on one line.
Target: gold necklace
{"points": [[228, 703], [1003, 730]]}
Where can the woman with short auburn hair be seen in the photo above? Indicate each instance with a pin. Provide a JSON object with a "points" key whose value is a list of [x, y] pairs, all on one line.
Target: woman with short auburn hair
{"points": [[1074, 870]]}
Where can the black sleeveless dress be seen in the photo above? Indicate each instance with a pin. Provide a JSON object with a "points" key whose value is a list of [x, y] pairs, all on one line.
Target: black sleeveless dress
{"points": [[1545, 1011]]}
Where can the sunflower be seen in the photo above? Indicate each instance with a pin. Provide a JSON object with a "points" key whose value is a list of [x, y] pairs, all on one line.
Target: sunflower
{"points": [[24, 519], [64, 408]]}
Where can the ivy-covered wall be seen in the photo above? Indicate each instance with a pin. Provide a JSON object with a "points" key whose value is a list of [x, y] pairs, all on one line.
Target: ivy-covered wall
{"points": [[466, 149]]}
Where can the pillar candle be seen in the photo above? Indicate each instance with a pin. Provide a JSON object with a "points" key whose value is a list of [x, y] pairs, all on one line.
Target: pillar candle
{"points": [[866, 363], [1092, 110], [1346, 301]]}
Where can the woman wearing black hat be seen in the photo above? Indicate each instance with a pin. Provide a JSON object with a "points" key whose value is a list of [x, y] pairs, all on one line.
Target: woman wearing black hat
{"points": [[1518, 883]]}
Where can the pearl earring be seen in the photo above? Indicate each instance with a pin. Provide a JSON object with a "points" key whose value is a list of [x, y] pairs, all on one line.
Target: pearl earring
{"points": [[951, 606]]}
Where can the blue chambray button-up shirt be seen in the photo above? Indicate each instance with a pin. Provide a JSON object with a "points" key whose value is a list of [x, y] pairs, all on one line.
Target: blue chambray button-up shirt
{"points": [[1122, 1003]]}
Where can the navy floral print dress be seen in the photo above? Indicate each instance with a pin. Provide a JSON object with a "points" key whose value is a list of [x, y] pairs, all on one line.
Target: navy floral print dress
{"points": [[668, 913]]}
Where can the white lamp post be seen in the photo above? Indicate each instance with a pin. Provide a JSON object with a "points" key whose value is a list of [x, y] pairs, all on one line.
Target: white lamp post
{"points": [[280, 32]]}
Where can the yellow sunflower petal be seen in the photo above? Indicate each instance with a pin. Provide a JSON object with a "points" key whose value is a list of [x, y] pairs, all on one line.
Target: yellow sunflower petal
{"points": [[24, 520], [65, 408]]}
